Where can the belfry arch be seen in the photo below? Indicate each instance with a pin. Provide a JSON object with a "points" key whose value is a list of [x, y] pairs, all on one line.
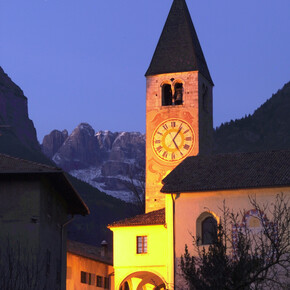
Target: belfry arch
{"points": [[143, 281]]}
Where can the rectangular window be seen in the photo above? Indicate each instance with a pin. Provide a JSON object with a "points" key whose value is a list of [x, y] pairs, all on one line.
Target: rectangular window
{"points": [[106, 283], [141, 244], [83, 277], [99, 281]]}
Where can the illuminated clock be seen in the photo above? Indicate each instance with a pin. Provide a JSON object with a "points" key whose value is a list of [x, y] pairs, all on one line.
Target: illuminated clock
{"points": [[173, 140]]}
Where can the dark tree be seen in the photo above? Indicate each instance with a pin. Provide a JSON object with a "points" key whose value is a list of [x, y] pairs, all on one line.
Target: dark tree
{"points": [[21, 268]]}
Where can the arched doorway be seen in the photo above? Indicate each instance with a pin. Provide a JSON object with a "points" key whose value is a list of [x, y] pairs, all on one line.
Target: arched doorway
{"points": [[143, 281]]}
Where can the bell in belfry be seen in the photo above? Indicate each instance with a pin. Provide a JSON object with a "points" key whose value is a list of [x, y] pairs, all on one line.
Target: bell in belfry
{"points": [[178, 96]]}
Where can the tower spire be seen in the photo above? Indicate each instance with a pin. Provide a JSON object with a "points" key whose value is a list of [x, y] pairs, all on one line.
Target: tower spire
{"points": [[178, 49]]}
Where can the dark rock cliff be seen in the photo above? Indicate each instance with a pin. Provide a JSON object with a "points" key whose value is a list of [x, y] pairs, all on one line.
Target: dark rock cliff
{"points": [[14, 113]]}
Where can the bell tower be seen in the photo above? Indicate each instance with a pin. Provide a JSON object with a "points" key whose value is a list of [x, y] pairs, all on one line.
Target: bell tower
{"points": [[179, 119]]}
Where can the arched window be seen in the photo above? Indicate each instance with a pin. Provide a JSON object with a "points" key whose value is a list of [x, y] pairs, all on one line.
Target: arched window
{"points": [[166, 95], [206, 229], [209, 231], [178, 94]]}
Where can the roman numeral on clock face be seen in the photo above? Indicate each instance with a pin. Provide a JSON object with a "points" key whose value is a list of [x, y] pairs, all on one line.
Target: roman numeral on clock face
{"points": [[159, 148], [186, 146], [173, 124], [165, 126], [157, 141], [165, 154]]}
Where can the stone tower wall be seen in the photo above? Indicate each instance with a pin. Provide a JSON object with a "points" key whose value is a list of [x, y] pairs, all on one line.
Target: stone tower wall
{"points": [[189, 111]]}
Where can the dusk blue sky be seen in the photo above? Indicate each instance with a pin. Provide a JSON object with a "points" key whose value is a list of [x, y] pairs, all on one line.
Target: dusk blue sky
{"points": [[85, 60]]}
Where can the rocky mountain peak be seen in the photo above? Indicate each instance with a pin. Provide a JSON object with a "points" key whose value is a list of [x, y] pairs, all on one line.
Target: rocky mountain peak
{"points": [[105, 139], [104, 159], [53, 141], [6, 82], [84, 129], [78, 150]]}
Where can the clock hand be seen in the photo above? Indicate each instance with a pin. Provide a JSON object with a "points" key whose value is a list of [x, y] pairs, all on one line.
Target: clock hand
{"points": [[172, 140], [177, 133], [175, 136], [177, 147]]}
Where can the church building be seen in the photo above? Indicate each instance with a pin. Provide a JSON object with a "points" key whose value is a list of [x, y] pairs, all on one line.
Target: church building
{"points": [[185, 184]]}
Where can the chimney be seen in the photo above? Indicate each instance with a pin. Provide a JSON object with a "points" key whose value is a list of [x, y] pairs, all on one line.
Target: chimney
{"points": [[104, 248]]}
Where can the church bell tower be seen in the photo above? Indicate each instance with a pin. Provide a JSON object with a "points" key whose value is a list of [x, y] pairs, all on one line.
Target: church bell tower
{"points": [[179, 119]]}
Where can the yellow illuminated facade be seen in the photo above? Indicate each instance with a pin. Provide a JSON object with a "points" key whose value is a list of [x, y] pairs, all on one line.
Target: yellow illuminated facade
{"points": [[149, 267], [88, 268]]}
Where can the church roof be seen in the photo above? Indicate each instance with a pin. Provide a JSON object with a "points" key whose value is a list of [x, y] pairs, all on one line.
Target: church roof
{"points": [[230, 171], [12, 167], [156, 217], [178, 48]]}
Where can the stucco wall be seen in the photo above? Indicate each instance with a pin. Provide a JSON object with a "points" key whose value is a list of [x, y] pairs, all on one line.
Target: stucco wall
{"points": [[20, 212], [188, 207], [76, 264], [26, 224], [52, 234], [126, 259]]}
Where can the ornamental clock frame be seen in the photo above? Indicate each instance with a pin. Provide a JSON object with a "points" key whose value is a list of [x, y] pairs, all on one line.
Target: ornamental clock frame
{"points": [[173, 140]]}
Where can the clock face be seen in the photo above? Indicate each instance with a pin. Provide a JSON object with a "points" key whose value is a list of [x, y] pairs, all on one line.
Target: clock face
{"points": [[173, 140]]}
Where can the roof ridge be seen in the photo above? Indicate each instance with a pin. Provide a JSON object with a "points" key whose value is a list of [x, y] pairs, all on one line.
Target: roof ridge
{"points": [[30, 162], [137, 219]]}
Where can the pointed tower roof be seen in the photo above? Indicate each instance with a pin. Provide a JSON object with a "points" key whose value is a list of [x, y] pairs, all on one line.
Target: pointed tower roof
{"points": [[178, 48]]}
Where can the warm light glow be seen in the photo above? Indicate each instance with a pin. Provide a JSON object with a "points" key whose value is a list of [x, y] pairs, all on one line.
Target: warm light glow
{"points": [[140, 269]]}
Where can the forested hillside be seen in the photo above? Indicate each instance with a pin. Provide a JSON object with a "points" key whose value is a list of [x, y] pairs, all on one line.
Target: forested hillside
{"points": [[267, 129]]}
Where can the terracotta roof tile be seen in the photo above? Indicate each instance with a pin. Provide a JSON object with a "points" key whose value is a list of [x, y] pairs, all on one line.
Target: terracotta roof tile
{"points": [[156, 217], [230, 171]]}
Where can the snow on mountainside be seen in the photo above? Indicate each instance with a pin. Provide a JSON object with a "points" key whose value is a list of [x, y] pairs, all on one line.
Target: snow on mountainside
{"points": [[111, 162]]}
